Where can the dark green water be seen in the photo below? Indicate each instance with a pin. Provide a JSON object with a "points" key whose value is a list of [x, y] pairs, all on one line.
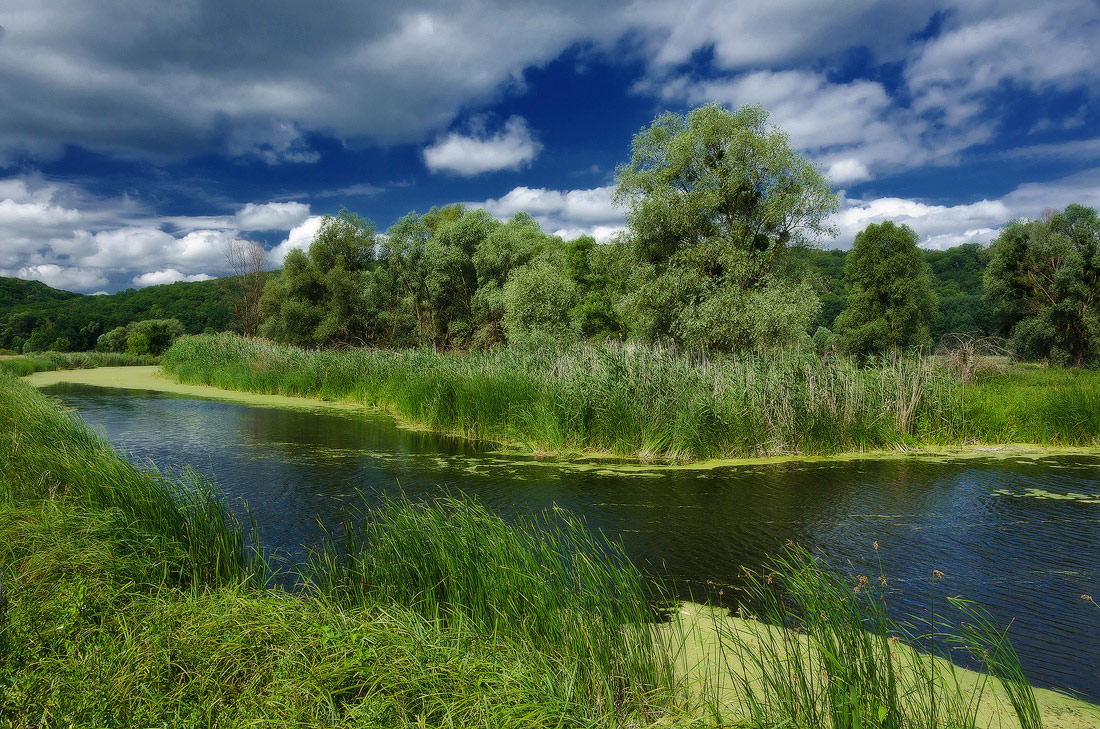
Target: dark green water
{"points": [[1026, 556]]}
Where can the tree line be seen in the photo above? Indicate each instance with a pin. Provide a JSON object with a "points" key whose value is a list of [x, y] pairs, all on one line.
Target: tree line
{"points": [[718, 254]]}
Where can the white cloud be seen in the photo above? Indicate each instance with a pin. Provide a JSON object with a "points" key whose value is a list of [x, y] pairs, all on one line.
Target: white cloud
{"points": [[67, 278], [943, 226], [59, 234], [509, 149], [271, 216], [847, 171], [1050, 45], [299, 238], [167, 276], [568, 213]]}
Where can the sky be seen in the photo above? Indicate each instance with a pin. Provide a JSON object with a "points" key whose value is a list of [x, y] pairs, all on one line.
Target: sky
{"points": [[139, 139]]}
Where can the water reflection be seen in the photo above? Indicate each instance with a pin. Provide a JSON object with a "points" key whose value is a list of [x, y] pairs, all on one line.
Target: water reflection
{"points": [[1018, 535]]}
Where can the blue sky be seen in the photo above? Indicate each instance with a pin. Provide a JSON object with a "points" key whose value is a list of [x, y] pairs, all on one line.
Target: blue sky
{"points": [[137, 140]]}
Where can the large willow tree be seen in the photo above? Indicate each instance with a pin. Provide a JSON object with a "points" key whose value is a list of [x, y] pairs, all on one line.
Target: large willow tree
{"points": [[1043, 281], [713, 200]]}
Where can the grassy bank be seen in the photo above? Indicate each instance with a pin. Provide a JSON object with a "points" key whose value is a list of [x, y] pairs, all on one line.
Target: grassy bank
{"points": [[50, 361], [631, 402], [133, 601]]}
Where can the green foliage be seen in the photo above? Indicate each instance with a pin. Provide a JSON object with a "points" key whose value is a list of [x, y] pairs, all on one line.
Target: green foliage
{"points": [[713, 200], [34, 314], [137, 343], [890, 300], [1044, 282], [318, 299], [113, 341], [538, 299]]}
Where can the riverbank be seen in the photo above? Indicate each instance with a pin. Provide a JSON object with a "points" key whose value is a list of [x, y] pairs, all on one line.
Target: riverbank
{"points": [[652, 406], [134, 603], [153, 379], [21, 365]]}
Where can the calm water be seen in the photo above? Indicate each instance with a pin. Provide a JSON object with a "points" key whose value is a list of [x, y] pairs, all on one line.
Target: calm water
{"points": [[1018, 535]]}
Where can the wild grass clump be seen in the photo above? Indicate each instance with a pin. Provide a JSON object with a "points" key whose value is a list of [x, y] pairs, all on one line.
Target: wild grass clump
{"points": [[50, 361], [48, 454], [628, 401], [1032, 404], [820, 652], [545, 586]]}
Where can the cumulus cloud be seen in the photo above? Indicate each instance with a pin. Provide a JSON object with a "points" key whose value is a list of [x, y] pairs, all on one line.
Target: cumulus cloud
{"points": [[67, 278], [271, 216], [299, 238], [59, 234], [167, 276], [943, 226], [509, 149], [567, 213]]}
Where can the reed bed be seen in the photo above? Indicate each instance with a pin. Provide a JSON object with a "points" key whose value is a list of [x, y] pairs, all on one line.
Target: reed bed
{"points": [[634, 402], [546, 586]]}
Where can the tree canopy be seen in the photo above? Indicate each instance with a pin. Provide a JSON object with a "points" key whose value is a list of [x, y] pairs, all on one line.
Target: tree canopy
{"points": [[1043, 281], [713, 199], [890, 299]]}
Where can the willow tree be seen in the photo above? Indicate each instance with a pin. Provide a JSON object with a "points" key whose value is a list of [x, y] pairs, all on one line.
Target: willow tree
{"points": [[713, 199], [1043, 280], [318, 298]]}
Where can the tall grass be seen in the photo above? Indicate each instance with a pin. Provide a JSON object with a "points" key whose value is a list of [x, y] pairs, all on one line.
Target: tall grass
{"points": [[131, 604], [49, 454], [49, 361], [628, 401], [547, 586], [821, 652], [1032, 404]]}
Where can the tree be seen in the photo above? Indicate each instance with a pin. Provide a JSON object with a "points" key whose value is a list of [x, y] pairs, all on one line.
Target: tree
{"points": [[318, 298], [890, 300], [538, 298], [246, 261], [713, 201], [1043, 282]]}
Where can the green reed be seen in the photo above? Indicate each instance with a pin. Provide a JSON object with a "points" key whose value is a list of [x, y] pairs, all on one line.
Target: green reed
{"points": [[823, 652], [545, 585], [627, 401]]}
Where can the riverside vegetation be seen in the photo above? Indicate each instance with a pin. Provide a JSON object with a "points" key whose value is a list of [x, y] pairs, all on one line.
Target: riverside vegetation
{"points": [[134, 599], [646, 403]]}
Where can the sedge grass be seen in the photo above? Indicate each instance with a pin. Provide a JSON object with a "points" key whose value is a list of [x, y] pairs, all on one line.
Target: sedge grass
{"points": [[49, 454], [823, 652]]}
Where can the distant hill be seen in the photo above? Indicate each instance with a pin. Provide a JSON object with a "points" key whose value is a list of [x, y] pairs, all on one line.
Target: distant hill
{"points": [[44, 316], [16, 291]]}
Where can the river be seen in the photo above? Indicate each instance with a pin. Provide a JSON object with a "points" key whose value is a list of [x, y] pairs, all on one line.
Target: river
{"points": [[1019, 534]]}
